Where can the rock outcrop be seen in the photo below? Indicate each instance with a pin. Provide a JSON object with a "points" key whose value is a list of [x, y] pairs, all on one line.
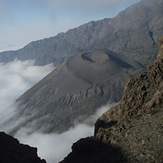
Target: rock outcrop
{"points": [[11, 151], [138, 116], [133, 32], [135, 124], [76, 88], [89, 150], [160, 46]]}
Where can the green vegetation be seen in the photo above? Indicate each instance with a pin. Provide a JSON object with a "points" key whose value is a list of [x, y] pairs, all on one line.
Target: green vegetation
{"points": [[154, 111]]}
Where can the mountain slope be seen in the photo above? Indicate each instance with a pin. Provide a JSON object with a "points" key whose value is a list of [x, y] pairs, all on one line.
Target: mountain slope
{"points": [[138, 118], [78, 87], [133, 32], [134, 126]]}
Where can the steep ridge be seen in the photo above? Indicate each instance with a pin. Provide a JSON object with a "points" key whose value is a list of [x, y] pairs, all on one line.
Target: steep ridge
{"points": [[134, 125], [90, 150], [11, 151], [78, 87], [138, 117], [133, 32]]}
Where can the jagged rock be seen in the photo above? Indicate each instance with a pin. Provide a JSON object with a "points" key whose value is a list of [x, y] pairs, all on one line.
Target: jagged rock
{"points": [[89, 150], [160, 45], [11, 151], [138, 117], [133, 32]]}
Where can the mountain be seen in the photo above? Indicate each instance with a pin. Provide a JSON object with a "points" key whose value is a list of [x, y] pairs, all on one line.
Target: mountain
{"points": [[133, 32], [92, 77], [11, 151], [133, 128], [77, 87]]}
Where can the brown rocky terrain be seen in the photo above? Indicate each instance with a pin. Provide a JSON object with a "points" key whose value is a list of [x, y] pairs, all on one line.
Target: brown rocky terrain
{"points": [[135, 124], [11, 151]]}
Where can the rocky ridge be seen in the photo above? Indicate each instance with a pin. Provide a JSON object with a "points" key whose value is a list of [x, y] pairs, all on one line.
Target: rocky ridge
{"points": [[11, 151], [89, 150], [138, 117], [135, 124], [133, 32]]}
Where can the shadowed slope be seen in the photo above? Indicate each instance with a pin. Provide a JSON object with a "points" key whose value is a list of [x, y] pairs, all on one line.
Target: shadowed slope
{"points": [[11, 151], [89, 150]]}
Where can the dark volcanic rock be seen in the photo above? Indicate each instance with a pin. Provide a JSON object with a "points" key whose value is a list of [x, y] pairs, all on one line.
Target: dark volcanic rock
{"points": [[78, 87], [11, 151], [89, 150], [134, 32]]}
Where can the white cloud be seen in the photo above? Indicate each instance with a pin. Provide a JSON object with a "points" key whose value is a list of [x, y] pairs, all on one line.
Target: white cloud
{"points": [[54, 147], [15, 78]]}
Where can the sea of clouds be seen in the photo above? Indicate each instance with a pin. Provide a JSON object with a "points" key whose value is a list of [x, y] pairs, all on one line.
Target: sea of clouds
{"points": [[15, 78]]}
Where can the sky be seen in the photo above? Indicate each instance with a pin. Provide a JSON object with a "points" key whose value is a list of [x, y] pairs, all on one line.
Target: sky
{"points": [[23, 21]]}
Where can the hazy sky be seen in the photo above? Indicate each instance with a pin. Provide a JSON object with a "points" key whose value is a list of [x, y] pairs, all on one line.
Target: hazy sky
{"points": [[22, 21]]}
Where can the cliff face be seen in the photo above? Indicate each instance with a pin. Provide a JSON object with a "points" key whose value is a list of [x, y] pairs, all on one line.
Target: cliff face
{"points": [[133, 32], [135, 124], [11, 151]]}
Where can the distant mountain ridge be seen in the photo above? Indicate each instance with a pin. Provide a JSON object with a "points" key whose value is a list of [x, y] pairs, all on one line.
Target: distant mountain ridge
{"points": [[133, 32]]}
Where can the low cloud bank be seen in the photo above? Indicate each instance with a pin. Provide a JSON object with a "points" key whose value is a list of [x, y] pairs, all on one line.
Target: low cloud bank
{"points": [[15, 78], [54, 147]]}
